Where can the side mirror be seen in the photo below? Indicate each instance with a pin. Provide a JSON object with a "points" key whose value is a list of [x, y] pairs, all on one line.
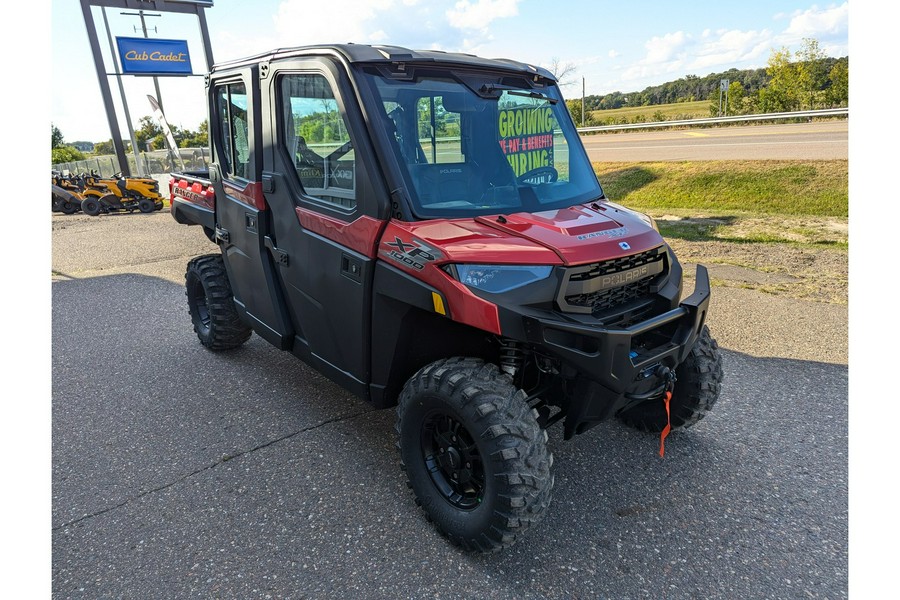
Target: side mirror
{"points": [[215, 176]]}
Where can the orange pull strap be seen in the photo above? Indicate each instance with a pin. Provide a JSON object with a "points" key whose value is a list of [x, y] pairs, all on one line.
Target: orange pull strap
{"points": [[668, 427]]}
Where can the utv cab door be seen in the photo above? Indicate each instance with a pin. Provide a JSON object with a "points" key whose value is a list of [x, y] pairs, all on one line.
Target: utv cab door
{"points": [[325, 197], [241, 223]]}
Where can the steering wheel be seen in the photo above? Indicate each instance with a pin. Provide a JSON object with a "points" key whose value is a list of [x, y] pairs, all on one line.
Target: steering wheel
{"points": [[538, 176]]}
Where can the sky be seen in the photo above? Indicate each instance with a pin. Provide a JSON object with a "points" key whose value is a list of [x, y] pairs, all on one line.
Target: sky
{"points": [[615, 46]]}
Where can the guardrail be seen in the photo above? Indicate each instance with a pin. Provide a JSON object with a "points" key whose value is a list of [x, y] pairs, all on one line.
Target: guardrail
{"points": [[828, 112]]}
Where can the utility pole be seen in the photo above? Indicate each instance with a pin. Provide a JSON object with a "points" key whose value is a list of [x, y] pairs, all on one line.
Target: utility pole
{"points": [[582, 101]]}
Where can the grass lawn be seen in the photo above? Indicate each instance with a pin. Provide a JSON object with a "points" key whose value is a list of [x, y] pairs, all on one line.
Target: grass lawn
{"points": [[670, 112], [800, 202]]}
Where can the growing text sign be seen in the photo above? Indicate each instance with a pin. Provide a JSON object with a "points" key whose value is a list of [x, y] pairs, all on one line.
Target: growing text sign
{"points": [[526, 137], [142, 56]]}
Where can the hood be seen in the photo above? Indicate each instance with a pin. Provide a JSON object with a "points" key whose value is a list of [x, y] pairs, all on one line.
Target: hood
{"points": [[581, 234], [570, 236]]}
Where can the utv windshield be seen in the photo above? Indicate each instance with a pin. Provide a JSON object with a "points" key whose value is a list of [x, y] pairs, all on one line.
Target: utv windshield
{"points": [[472, 145]]}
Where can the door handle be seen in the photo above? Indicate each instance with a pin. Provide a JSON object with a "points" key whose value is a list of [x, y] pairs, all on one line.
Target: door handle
{"points": [[280, 255], [351, 268]]}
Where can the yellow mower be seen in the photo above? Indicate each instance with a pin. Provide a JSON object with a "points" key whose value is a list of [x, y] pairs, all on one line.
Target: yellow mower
{"points": [[120, 194], [66, 193]]}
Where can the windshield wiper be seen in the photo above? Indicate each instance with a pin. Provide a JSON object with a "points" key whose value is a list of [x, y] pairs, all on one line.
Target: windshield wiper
{"points": [[532, 94], [489, 89]]}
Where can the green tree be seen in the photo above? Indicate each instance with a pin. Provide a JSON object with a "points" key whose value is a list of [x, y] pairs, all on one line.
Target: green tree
{"points": [[784, 90], [574, 107], [735, 98], [196, 139], [810, 70], [65, 154], [106, 147], [149, 131], [56, 137], [839, 92]]}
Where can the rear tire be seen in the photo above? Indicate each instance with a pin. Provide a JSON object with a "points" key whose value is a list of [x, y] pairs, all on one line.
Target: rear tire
{"points": [[473, 453], [699, 380], [211, 304]]}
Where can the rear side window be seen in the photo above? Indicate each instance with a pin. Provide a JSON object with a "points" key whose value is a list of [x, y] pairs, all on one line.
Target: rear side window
{"points": [[316, 138], [231, 104]]}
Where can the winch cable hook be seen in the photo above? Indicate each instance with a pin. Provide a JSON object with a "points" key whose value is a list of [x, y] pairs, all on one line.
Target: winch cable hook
{"points": [[669, 376]]}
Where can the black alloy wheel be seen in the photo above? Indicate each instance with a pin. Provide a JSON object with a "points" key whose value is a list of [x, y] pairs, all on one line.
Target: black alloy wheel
{"points": [[453, 461]]}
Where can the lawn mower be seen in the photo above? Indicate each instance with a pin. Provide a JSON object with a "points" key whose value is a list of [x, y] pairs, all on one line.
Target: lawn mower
{"points": [[66, 193], [120, 194]]}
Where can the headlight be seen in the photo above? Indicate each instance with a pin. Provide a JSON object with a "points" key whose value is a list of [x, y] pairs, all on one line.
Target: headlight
{"points": [[645, 218], [497, 279]]}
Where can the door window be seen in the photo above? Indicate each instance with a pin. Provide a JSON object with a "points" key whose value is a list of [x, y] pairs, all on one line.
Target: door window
{"points": [[231, 102], [316, 137]]}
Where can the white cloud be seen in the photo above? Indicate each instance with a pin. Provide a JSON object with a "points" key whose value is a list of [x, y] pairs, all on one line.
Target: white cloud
{"points": [[731, 47], [815, 22], [479, 14], [662, 49], [410, 23], [335, 20], [613, 54], [665, 54]]}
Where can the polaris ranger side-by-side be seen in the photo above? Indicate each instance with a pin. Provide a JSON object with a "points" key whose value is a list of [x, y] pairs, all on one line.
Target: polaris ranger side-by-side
{"points": [[426, 230]]}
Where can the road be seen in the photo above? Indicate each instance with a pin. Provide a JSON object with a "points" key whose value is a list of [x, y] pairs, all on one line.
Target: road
{"points": [[181, 473], [824, 140]]}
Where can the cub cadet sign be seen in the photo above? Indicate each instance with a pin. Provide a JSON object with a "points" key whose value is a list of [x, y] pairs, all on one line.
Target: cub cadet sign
{"points": [[141, 56], [526, 138]]}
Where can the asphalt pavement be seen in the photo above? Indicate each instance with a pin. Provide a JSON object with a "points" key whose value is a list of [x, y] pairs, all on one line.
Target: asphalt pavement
{"points": [[181, 473]]}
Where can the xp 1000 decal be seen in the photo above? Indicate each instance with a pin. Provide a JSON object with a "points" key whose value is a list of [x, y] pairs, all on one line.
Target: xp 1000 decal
{"points": [[413, 254]]}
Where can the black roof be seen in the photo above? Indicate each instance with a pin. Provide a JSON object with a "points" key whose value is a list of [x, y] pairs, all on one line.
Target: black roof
{"points": [[363, 53]]}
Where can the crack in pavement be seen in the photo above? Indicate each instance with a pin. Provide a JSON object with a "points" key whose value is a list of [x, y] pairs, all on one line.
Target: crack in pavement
{"points": [[224, 459]]}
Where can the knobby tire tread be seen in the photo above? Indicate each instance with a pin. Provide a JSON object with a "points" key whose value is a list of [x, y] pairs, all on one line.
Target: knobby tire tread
{"points": [[226, 330], [516, 445]]}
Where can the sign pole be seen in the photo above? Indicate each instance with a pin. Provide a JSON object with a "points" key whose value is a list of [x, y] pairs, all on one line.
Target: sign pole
{"points": [[138, 163], [190, 7], [104, 87]]}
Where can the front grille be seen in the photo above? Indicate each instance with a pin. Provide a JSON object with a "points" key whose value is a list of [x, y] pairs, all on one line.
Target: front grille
{"points": [[606, 299], [595, 288], [617, 265]]}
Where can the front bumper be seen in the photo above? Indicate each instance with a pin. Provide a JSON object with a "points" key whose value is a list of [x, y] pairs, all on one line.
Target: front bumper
{"points": [[611, 356], [607, 363]]}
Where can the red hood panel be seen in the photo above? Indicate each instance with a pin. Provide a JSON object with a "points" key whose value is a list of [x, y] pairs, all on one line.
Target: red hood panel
{"points": [[581, 234], [467, 241], [572, 236]]}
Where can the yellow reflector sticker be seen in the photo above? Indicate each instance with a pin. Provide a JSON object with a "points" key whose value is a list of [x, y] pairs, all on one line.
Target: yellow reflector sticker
{"points": [[438, 303]]}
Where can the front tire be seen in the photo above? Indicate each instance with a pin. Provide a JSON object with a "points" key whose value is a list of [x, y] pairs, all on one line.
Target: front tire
{"points": [[473, 453], [211, 304], [699, 380], [146, 205], [91, 206]]}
